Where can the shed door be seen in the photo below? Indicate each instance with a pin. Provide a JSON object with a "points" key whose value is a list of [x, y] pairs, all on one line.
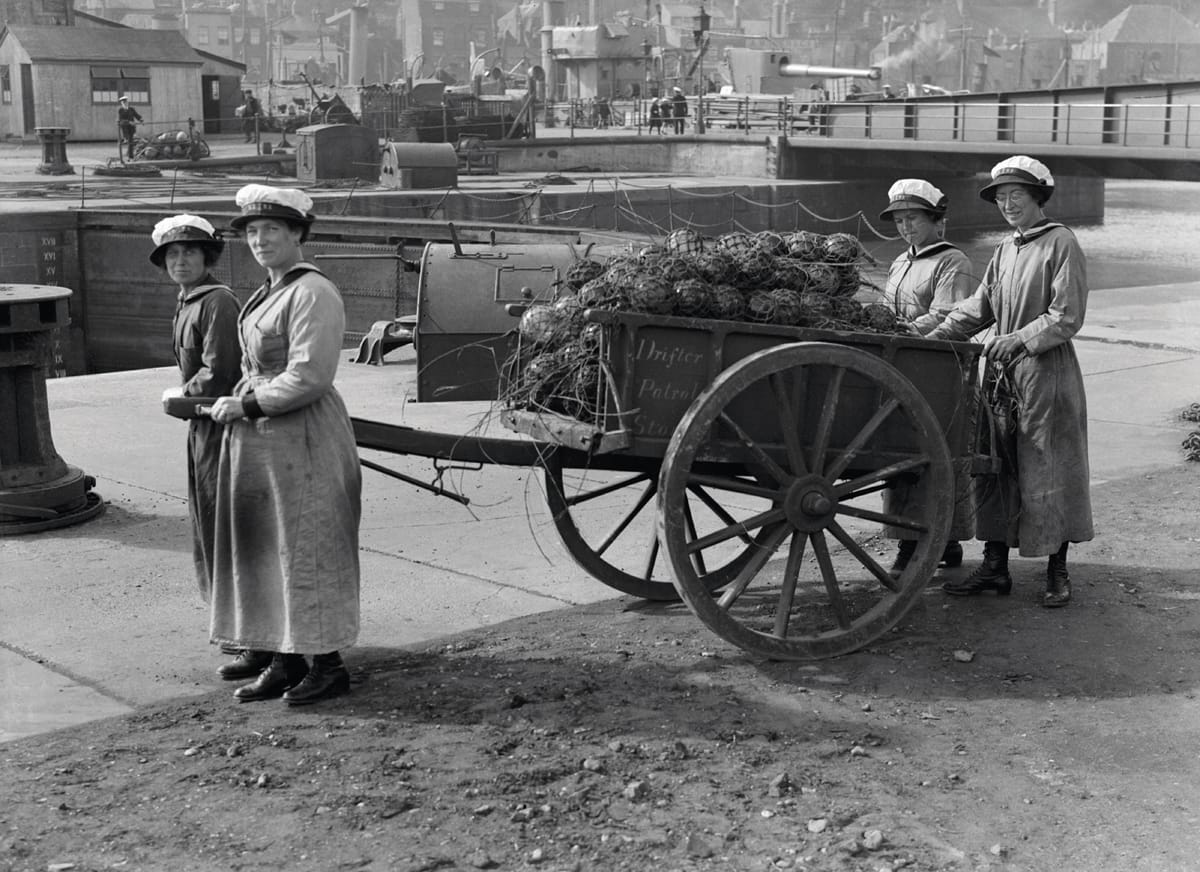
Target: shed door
{"points": [[27, 98], [210, 103]]}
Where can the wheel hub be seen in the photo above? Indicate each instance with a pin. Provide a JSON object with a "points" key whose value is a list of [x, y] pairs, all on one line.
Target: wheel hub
{"points": [[810, 503]]}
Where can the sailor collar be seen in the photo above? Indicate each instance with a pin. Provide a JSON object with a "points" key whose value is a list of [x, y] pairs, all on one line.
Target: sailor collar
{"points": [[929, 250], [1040, 229], [206, 285]]}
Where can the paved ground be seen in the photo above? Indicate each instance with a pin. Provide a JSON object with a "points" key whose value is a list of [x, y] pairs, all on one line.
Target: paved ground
{"points": [[103, 617]]}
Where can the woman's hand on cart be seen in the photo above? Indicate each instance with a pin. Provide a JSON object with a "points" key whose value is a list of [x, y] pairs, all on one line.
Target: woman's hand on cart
{"points": [[226, 410], [1004, 350]]}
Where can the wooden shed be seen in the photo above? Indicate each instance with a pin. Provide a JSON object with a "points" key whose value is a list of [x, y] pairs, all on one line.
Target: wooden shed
{"points": [[72, 77]]}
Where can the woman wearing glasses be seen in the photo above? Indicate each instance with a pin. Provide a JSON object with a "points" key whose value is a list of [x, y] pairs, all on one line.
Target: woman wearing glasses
{"points": [[1034, 292]]}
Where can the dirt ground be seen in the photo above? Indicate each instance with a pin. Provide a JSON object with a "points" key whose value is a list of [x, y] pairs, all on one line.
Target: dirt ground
{"points": [[983, 733]]}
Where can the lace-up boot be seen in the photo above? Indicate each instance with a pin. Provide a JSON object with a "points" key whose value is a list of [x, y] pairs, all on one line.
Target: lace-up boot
{"points": [[284, 671], [1058, 582], [991, 574], [327, 678], [904, 553], [247, 665]]}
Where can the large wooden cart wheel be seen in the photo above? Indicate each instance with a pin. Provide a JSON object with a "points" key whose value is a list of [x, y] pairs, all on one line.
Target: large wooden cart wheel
{"points": [[831, 425], [607, 521]]}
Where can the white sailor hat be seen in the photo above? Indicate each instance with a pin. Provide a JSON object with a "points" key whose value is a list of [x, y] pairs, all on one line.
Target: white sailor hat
{"points": [[264, 201], [183, 228], [677, 89], [124, 98], [914, 194], [1020, 170]]}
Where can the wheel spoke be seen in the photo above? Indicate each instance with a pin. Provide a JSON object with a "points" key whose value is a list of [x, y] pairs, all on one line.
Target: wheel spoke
{"points": [[881, 518], [738, 528], [825, 423], [821, 550], [849, 489], [791, 574], [576, 499], [690, 525], [735, 485], [761, 456], [716, 508], [759, 559], [786, 406], [860, 439], [642, 500], [651, 556], [872, 565]]}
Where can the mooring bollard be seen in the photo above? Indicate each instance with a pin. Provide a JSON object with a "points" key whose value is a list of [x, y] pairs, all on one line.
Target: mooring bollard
{"points": [[54, 151], [38, 489]]}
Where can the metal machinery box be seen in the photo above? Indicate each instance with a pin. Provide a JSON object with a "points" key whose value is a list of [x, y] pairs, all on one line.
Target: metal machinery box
{"points": [[337, 151], [464, 330], [408, 165]]}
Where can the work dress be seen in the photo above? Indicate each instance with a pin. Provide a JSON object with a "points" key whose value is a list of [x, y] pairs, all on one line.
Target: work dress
{"points": [[205, 341], [923, 286], [289, 488], [1035, 287]]}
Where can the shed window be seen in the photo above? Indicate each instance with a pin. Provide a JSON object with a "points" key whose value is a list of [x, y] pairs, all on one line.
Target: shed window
{"points": [[109, 83], [222, 36], [5, 84]]}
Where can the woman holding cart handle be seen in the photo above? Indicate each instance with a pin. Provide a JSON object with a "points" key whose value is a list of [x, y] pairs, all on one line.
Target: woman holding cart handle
{"points": [[286, 577]]}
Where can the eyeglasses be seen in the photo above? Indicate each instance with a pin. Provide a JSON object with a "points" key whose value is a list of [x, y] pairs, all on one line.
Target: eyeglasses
{"points": [[1017, 198]]}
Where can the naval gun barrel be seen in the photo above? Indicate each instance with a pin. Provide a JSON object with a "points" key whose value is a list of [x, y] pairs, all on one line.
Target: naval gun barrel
{"points": [[799, 70]]}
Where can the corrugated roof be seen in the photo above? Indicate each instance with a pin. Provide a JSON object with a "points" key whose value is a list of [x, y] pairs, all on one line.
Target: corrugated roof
{"points": [[1144, 23], [100, 44]]}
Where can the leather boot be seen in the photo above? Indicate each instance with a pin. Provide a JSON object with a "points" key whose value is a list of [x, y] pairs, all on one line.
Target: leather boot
{"points": [[951, 555], [904, 553], [247, 665], [1058, 582], [991, 574], [284, 671], [328, 677]]}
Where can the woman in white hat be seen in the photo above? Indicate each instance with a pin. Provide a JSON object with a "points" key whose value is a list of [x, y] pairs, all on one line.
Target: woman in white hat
{"points": [[287, 574], [1034, 292], [205, 341], [925, 281]]}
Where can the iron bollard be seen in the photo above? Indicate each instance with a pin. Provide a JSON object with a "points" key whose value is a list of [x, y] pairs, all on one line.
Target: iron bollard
{"points": [[54, 151], [38, 489]]}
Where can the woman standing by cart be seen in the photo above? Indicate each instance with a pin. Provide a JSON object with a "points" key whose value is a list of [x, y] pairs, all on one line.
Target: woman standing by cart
{"points": [[924, 283], [204, 339], [1035, 293], [287, 575]]}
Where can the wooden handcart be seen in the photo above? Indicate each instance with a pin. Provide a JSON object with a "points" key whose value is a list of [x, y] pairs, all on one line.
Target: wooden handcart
{"points": [[749, 461]]}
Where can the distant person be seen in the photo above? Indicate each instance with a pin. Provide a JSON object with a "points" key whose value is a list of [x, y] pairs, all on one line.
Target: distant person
{"points": [[251, 110], [286, 581], [854, 93], [679, 108], [925, 281], [656, 116], [127, 122], [888, 93], [204, 338], [1034, 291], [818, 105], [603, 112]]}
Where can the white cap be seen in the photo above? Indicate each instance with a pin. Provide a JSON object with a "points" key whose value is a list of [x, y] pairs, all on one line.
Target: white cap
{"points": [[264, 201], [677, 89], [183, 228], [1020, 170], [914, 194]]}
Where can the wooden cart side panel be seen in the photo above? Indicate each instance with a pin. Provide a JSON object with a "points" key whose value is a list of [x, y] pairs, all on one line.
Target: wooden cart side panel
{"points": [[662, 364]]}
